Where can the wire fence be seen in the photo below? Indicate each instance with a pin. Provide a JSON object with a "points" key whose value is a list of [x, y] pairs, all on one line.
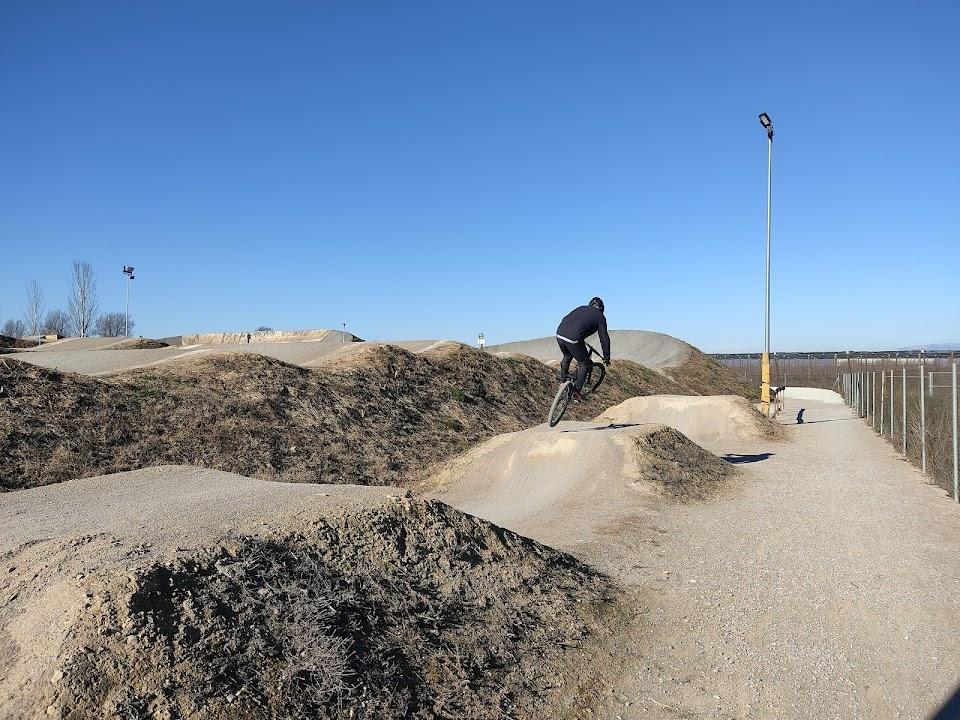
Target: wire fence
{"points": [[915, 408]]}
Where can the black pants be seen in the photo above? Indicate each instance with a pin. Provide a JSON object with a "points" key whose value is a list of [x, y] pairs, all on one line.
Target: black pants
{"points": [[576, 351]]}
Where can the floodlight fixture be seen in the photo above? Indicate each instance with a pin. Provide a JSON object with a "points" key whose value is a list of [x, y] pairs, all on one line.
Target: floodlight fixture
{"points": [[767, 124], [128, 271]]}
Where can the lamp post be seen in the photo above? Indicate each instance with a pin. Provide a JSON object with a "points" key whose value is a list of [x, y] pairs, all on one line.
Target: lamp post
{"points": [[128, 271], [765, 362]]}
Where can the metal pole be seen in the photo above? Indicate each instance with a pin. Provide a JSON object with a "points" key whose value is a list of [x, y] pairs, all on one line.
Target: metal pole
{"points": [[923, 426], [903, 399], [956, 471], [891, 406], [930, 384], [883, 397], [126, 321], [765, 369]]}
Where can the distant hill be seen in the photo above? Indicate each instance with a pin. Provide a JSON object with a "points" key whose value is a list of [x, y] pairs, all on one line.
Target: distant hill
{"points": [[935, 347]]}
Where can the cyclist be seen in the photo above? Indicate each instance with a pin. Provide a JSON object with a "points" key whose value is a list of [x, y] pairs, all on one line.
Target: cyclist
{"points": [[577, 326]]}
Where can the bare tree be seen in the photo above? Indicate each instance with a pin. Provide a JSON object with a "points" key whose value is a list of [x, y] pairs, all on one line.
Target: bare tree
{"points": [[13, 328], [82, 303], [112, 324], [33, 313], [56, 322]]}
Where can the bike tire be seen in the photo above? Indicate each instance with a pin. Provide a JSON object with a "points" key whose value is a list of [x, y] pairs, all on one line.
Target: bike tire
{"points": [[560, 403], [596, 375]]}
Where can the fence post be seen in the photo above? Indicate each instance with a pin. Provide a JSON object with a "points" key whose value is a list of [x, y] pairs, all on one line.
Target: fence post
{"points": [[923, 426], [873, 399], [891, 405], [930, 383], [903, 399], [883, 397], [956, 472]]}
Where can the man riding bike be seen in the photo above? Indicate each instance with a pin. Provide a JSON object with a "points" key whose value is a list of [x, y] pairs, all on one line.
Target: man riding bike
{"points": [[581, 323]]}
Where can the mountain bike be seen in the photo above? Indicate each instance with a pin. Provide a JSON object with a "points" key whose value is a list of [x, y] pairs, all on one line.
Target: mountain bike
{"points": [[595, 375]]}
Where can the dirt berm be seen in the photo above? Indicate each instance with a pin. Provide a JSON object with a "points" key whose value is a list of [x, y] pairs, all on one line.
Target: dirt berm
{"points": [[721, 423], [177, 592], [579, 484], [381, 416]]}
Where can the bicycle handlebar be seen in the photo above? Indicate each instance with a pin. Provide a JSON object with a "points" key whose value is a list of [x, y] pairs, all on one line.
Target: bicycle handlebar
{"points": [[594, 351]]}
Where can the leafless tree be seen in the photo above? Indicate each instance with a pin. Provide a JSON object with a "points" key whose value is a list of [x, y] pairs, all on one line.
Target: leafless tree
{"points": [[33, 313], [112, 324], [56, 322], [13, 328], [82, 303]]}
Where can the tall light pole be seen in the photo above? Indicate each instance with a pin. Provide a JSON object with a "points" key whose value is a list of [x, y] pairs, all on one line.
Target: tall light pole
{"points": [[765, 362], [128, 271]]}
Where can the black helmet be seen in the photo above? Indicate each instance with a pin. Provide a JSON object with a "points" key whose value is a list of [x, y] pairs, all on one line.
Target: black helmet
{"points": [[597, 303]]}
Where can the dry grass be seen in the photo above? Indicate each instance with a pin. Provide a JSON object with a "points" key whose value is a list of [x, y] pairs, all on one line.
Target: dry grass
{"points": [[706, 376]]}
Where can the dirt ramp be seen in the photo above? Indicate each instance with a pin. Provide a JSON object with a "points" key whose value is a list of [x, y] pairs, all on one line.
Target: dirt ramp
{"points": [[718, 422], [254, 599], [572, 485], [652, 349]]}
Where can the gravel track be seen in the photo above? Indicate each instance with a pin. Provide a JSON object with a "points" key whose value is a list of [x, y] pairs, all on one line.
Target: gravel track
{"points": [[826, 586]]}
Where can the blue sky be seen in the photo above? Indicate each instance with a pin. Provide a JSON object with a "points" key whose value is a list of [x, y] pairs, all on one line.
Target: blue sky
{"points": [[434, 169]]}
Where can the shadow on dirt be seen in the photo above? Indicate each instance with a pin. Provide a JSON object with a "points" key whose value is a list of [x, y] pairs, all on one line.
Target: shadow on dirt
{"points": [[950, 710], [740, 459], [611, 426]]}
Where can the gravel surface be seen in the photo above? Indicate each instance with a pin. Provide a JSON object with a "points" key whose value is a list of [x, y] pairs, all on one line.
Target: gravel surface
{"points": [[828, 586]]}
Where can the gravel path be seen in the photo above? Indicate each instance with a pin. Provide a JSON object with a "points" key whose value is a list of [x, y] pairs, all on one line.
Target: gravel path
{"points": [[827, 585]]}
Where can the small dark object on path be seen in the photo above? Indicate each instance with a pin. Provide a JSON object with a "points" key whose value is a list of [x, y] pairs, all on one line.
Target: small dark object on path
{"points": [[800, 416]]}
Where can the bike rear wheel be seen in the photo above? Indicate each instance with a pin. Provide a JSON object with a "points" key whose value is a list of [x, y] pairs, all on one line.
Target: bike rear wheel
{"points": [[596, 375], [560, 403]]}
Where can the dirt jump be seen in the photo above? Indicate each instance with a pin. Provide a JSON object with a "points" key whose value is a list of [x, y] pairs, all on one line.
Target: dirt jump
{"points": [[577, 485], [179, 592], [721, 423]]}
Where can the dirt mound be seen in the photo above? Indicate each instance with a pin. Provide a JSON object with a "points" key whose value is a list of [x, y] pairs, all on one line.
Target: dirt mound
{"points": [[572, 485], [7, 342], [703, 375], [382, 416], [719, 422], [137, 344], [367, 604]]}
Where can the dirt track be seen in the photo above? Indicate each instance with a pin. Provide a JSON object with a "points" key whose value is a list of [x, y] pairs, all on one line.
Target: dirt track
{"points": [[823, 585], [827, 588]]}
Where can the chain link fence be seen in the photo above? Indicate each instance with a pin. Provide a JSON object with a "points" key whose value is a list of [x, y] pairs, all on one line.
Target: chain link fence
{"points": [[915, 408]]}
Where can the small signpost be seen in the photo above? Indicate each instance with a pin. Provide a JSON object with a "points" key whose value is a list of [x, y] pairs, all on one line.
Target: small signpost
{"points": [[481, 340]]}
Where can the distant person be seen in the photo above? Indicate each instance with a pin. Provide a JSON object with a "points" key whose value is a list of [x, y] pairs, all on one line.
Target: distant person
{"points": [[581, 323], [248, 338]]}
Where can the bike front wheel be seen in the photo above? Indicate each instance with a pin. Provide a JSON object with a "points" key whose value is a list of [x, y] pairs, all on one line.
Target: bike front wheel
{"points": [[560, 403]]}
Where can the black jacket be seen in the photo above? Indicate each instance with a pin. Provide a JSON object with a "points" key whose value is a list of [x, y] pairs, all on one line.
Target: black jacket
{"points": [[583, 322]]}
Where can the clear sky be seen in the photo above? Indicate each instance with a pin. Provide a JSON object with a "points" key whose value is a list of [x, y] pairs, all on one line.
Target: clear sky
{"points": [[435, 169]]}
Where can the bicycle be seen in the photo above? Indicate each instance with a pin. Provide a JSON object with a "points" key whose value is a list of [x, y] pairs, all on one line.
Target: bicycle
{"points": [[595, 375]]}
